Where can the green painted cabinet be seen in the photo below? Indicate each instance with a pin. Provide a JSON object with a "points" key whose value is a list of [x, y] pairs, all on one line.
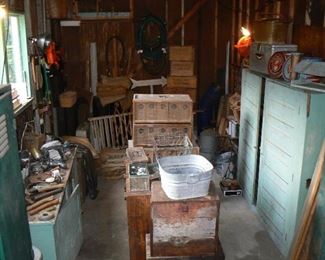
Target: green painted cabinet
{"points": [[292, 131], [251, 97], [15, 241]]}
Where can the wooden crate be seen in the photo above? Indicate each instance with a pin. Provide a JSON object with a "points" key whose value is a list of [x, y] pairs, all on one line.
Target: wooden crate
{"points": [[181, 53], [218, 255], [162, 108], [182, 68], [181, 82], [143, 134], [192, 92], [184, 227]]}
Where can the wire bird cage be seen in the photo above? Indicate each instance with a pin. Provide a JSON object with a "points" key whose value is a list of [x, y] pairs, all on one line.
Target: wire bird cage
{"points": [[172, 145]]}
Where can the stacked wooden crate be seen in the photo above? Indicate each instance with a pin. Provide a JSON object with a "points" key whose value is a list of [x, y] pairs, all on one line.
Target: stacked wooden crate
{"points": [[160, 115], [182, 79]]}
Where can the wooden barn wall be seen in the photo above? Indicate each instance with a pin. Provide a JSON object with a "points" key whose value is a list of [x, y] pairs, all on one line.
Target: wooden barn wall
{"points": [[200, 31], [15, 5], [310, 38]]}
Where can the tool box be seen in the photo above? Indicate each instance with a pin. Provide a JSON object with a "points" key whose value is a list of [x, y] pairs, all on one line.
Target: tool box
{"points": [[260, 54]]}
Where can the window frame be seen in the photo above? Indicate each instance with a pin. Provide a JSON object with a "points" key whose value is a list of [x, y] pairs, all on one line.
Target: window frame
{"points": [[24, 55]]}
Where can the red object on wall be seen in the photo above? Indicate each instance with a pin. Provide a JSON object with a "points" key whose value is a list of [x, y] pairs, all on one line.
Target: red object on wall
{"points": [[243, 46]]}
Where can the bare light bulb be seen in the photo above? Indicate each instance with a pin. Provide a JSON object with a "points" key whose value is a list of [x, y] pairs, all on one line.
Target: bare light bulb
{"points": [[245, 31]]}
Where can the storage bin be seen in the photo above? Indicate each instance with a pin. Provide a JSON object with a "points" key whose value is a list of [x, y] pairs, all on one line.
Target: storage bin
{"points": [[186, 176]]}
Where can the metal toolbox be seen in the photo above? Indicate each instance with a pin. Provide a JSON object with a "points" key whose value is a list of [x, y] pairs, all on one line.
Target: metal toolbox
{"points": [[260, 54]]}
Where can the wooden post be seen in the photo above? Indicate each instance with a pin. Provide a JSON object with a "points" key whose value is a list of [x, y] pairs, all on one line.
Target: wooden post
{"points": [[186, 17], [309, 207]]}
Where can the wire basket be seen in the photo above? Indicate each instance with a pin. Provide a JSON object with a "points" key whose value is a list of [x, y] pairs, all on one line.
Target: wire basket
{"points": [[172, 145]]}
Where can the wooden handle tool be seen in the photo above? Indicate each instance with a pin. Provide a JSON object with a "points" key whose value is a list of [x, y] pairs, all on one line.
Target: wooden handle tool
{"points": [[40, 202], [43, 206]]}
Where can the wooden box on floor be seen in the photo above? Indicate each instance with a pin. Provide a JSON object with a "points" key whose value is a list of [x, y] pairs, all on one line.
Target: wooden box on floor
{"points": [[181, 82], [218, 255], [184, 227], [181, 68], [181, 53], [162, 109], [143, 134]]}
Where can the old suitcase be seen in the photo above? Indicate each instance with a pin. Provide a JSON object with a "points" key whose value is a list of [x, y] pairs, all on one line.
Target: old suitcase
{"points": [[150, 108], [260, 54], [184, 227], [143, 134]]}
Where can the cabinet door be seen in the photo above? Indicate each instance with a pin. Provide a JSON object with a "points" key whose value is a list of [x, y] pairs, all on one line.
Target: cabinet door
{"points": [[249, 133], [282, 146]]}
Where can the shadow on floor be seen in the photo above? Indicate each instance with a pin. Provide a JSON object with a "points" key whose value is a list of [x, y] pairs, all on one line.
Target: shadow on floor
{"points": [[106, 235]]}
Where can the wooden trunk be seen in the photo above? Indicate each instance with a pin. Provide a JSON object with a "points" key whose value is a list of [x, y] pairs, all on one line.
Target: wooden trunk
{"points": [[162, 109], [182, 68], [218, 255], [181, 53], [143, 134], [181, 82], [184, 227]]}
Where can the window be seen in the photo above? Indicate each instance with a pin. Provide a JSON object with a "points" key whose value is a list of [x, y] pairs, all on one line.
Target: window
{"points": [[14, 57]]}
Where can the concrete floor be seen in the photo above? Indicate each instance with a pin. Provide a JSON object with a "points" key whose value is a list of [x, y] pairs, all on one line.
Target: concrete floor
{"points": [[106, 237]]}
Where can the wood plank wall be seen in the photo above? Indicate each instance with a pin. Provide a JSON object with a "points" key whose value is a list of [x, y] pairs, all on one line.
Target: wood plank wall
{"points": [[200, 31], [310, 39]]}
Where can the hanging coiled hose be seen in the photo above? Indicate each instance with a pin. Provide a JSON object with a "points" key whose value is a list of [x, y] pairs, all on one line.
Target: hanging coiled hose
{"points": [[152, 49]]}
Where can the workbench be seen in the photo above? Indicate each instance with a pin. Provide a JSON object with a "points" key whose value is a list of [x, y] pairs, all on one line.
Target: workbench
{"points": [[61, 237]]}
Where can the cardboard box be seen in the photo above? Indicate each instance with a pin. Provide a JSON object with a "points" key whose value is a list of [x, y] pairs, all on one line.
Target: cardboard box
{"points": [[181, 53], [182, 68]]}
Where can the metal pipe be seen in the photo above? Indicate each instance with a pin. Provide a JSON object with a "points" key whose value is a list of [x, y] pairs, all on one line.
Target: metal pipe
{"points": [[227, 69]]}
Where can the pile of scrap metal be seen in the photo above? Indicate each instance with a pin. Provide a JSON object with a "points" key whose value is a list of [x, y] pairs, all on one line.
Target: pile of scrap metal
{"points": [[45, 175], [43, 171]]}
